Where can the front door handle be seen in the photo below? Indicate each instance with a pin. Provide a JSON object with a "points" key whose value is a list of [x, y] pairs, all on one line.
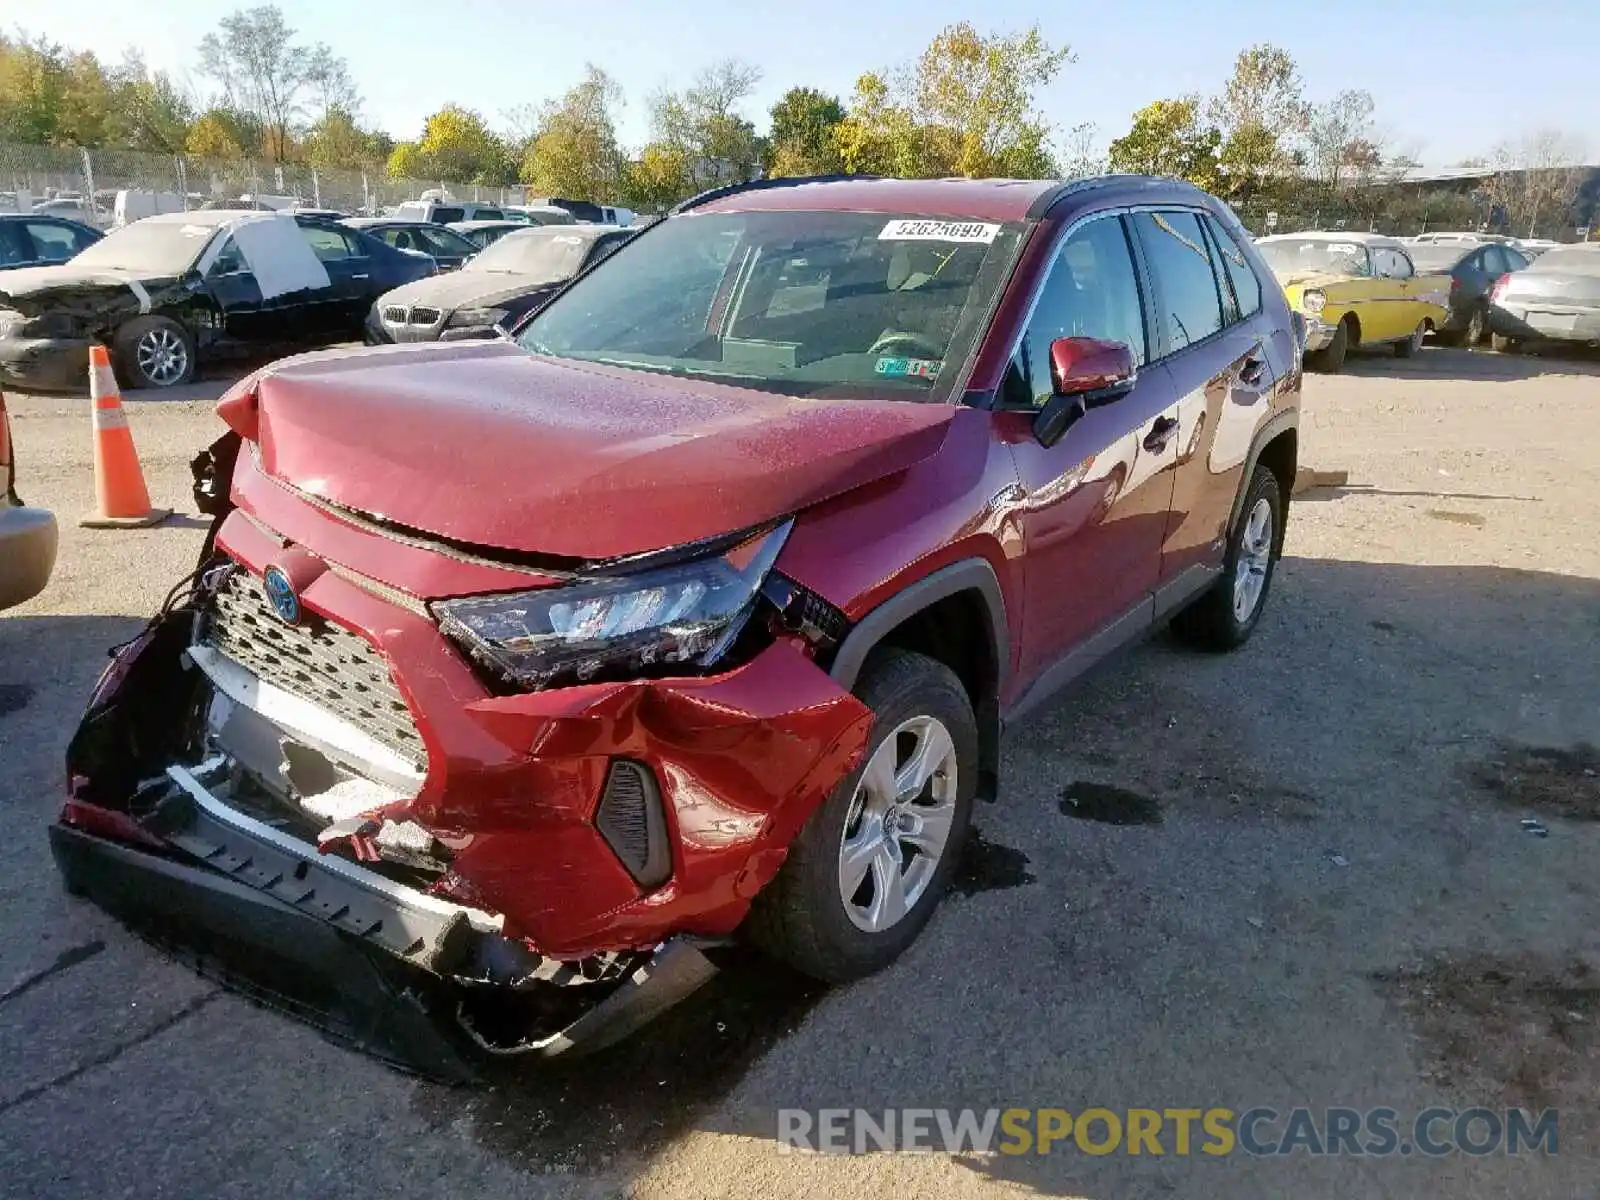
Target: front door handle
{"points": [[1160, 434]]}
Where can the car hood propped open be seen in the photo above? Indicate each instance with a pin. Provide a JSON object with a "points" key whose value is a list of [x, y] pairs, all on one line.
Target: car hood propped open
{"points": [[488, 445]]}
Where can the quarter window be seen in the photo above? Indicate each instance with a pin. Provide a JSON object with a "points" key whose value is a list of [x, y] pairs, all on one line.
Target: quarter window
{"points": [[1246, 287], [1391, 263], [1092, 291], [1185, 280]]}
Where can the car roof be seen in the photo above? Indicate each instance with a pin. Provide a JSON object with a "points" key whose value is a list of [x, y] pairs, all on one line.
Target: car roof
{"points": [[488, 224], [1334, 235], [591, 230], [205, 216], [974, 199]]}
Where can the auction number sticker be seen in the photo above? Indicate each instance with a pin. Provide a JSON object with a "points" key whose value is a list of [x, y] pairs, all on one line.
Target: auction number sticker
{"points": [[905, 230], [909, 368]]}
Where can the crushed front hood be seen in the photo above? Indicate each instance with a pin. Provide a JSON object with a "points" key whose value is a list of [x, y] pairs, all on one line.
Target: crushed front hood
{"points": [[35, 291], [485, 444]]}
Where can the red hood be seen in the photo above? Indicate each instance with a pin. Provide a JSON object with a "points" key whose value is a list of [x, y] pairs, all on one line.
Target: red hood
{"points": [[483, 443]]}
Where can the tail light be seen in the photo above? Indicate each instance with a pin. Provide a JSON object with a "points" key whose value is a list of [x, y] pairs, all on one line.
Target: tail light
{"points": [[1500, 286]]}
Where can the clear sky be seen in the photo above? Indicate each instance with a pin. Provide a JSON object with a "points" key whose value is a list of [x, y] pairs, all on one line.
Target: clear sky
{"points": [[1450, 80]]}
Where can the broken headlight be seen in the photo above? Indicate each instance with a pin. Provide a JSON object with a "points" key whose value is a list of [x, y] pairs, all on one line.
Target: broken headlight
{"points": [[680, 614]]}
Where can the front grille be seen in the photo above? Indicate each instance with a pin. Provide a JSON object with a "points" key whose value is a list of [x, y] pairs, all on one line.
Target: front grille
{"points": [[395, 314], [316, 660], [424, 316]]}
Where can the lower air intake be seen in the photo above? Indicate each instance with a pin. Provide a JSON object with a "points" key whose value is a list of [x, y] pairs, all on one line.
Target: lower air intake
{"points": [[632, 823]]}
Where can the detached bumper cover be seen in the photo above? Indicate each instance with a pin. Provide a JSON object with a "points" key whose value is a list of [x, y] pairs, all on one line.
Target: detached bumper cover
{"points": [[28, 538], [330, 943]]}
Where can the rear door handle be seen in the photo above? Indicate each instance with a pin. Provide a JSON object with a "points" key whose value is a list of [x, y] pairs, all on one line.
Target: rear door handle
{"points": [[1160, 434]]}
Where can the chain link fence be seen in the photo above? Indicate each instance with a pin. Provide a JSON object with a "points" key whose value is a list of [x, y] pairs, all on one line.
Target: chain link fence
{"points": [[29, 174]]}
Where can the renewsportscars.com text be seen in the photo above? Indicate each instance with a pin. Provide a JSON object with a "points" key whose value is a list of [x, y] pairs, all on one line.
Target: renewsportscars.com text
{"points": [[1214, 1132]]}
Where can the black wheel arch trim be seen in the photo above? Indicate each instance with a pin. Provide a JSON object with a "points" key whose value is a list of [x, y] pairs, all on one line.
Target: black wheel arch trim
{"points": [[1281, 423], [966, 575]]}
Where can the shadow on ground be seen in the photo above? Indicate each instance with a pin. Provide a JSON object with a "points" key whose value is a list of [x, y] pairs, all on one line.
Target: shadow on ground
{"points": [[1394, 665], [1452, 362]]}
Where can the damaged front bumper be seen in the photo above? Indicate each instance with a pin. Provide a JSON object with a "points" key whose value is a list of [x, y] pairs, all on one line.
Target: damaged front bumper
{"points": [[44, 364], [424, 984]]}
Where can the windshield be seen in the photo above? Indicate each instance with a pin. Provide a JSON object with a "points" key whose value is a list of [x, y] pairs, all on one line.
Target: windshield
{"points": [[802, 303], [1295, 256], [156, 247], [545, 257]]}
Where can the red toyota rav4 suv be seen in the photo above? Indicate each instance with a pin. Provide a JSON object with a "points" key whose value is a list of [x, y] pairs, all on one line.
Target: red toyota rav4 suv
{"points": [[515, 673]]}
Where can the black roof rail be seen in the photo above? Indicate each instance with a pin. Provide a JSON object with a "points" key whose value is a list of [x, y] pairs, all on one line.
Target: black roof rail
{"points": [[1050, 198], [751, 185]]}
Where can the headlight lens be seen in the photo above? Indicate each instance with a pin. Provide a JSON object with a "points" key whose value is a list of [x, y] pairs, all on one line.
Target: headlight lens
{"points": [[684, 613], [1313, 301], [471, 317]]}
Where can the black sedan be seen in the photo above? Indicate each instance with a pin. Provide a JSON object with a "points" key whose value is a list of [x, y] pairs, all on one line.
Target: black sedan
{"points": [[446, 247], [497, 288], [28, 240], [1473, 271], [171, 291]]}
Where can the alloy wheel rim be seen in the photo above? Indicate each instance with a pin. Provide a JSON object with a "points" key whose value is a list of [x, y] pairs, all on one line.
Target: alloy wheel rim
{"points": [[1255, 558], [898, 826], [163, 358]]}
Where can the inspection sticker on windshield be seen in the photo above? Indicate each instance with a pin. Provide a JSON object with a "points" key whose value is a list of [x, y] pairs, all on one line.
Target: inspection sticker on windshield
{"points": [[939, 231], [909, 368]]}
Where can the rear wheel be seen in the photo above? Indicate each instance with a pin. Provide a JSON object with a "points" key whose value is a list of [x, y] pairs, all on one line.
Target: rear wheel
{"points": [[1224, 616], [1477, 330], [1331, 357], [1412, 344], [868, 868]]}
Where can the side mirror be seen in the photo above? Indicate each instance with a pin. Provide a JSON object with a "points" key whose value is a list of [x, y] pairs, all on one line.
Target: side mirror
{"points": [[1083, 371]]}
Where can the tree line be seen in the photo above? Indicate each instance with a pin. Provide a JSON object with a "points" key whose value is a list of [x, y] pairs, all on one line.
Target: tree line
{"points": [[966, 105]]}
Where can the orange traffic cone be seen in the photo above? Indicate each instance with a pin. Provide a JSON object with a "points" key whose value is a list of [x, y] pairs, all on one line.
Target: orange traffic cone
{"points": [[121, 499]]}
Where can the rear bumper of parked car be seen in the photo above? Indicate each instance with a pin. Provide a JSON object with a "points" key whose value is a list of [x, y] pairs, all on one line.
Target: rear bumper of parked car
{"points": [[28, 538], [1534, 324], [47, 364]]}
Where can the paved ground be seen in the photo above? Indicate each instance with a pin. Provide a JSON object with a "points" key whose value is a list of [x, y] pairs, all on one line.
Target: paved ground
{"points": [[1321, 894]]}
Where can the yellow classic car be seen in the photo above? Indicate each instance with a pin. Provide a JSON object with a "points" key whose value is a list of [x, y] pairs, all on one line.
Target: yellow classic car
{"points": [[1355, 289]]}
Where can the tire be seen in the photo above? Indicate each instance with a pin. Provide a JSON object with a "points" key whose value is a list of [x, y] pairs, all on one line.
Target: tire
{"points": [[154, 352], [1331, 357], [1214, 621], [1413, 344], [1506, 345], [803, 916], [1477, 330]]}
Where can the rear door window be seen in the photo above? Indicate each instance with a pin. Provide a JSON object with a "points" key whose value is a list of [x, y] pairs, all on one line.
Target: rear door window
{"points": [[1494, 260], [488, 214], [1188, 298], [1092, 291], [447, 216], [329, 244]]}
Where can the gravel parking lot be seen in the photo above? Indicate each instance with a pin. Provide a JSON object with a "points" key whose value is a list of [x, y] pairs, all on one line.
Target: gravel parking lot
{"points": [[1293, 876]]}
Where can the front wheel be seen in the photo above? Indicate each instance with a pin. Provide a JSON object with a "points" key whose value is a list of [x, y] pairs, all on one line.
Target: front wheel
{"points": [[866, 871], [154, 352], [1331, 357], [1224, 616]]}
